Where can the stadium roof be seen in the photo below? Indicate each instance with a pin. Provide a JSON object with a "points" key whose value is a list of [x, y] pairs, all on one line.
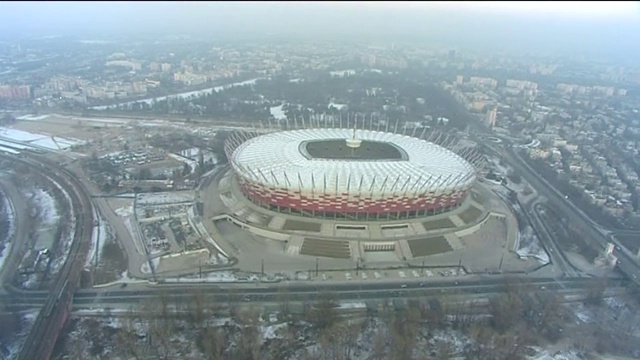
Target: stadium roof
{"points": [[278, 159]]}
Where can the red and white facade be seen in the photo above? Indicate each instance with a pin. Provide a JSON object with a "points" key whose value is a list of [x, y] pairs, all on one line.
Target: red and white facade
{"points": [[274, 172]]}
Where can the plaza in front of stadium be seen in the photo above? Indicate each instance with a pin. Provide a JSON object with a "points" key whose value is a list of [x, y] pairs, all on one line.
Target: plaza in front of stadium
{"points": [[333, 199]]}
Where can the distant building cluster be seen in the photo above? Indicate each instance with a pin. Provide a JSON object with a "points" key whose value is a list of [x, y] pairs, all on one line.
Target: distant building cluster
{"points": [[481, 81], [133, 65], [590, 90], [15, 92]]}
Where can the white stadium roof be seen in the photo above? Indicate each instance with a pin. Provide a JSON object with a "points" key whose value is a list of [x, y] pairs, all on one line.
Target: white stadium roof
{"points": [[275, 159]]}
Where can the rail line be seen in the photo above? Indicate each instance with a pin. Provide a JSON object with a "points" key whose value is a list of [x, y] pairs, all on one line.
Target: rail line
{"points": [[57, 308]]}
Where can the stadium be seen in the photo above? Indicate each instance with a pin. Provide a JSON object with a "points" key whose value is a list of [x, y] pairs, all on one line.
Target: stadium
{"points": [[351, 173]]}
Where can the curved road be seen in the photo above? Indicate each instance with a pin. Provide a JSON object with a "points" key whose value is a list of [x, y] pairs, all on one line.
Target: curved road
{"points": [[19, 240], [52, 317], [628, 262]]}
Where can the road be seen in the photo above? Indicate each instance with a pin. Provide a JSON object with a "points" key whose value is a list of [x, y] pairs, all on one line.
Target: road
{"points": [[116, 297], [20, 239], [557, 255], [135, 256], [548, 241], [575, 215]]}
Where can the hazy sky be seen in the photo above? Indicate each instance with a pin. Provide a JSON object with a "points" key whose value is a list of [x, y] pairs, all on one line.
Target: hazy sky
{"points": [[571, 25]]}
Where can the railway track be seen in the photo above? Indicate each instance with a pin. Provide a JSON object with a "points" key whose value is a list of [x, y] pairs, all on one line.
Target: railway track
{"points": [[57, 307]]}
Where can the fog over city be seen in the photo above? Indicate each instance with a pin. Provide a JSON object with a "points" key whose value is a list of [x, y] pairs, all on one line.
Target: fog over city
{"points": [[588, 28]]}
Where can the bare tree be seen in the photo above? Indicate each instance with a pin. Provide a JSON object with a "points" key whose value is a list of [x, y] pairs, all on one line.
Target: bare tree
{"points": [[196, 313], [379, 344], [596, 289], [213, 342], [324, 313], [127, 338], [443, 350], [250, 342], [284, 302]]}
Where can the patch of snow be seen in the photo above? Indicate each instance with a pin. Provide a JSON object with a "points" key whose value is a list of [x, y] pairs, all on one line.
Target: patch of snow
{"points": [[8, 213], [219, 276], [352, 305], [277, 112], [184, 95], [337, 106], [15, 343], [529, 246], [8, 150], [46, 205], [165, 198], [500, 169], [582, 313], [32, 117], [124, 211], [98, 240], [19, 135], [272, 331], [146, 269], [13, 145], [218, 259], [615, 303], [4, 252], [342, 73], [56, 143], [192, 164]]}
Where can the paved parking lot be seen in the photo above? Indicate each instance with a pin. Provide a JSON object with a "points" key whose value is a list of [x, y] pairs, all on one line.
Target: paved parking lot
{"points": [[390, 274]]}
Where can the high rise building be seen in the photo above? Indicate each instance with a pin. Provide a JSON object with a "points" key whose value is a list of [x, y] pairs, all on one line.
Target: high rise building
{"points": [[491, 117], [15, 92], [452, 55]]}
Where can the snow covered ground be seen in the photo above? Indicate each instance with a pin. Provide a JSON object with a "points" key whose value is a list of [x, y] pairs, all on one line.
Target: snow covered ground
{"points": [[124, 211], [146, 269], [161, 198], [37, 140], [19, 135], [337, 106], [13, 145], [499, 169], [184, 95], [219, 276], [50, 216], [9, 150], [32, 117], [8, 215], [15, 343], [192, 164], [277, 112], [98, 240], [530, 246], [47, 207]]}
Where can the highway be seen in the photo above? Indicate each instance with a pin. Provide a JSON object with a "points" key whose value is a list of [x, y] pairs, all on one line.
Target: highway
{"points": [[116, 297], [57, 305], [555, 252], [628, 262], [556, 255]]}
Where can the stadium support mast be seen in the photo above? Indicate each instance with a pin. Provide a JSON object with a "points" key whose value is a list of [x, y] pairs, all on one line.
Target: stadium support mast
{"points": [[354, 143]]}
